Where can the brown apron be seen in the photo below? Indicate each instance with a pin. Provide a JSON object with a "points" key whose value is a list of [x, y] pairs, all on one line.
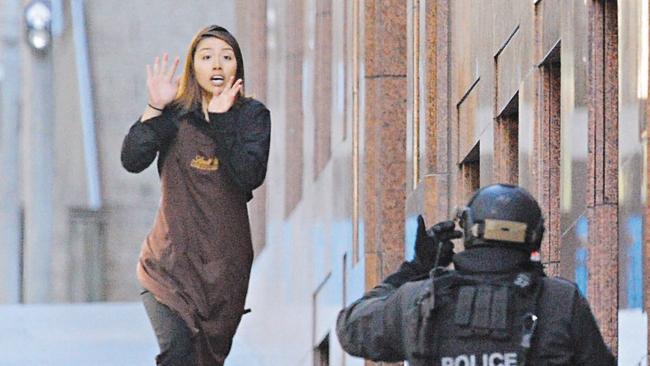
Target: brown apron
{"points": [[197, 258]]}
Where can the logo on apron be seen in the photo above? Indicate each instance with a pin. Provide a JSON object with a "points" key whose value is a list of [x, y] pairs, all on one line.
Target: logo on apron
{"points": [[203, 163]]}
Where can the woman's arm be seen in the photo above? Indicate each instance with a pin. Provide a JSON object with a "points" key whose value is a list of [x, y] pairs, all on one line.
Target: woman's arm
{"points": [[156, 125], [145, 139], [243, 142]]}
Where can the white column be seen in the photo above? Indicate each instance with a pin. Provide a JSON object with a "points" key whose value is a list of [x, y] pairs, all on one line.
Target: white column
{"points": [[38, 173], [10, 14]]}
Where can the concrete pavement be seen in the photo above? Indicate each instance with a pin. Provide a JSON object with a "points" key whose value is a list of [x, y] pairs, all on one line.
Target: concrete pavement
{"points": [[98, 334]]}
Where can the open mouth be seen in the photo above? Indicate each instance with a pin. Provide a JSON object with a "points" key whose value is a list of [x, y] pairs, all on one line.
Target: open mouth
{"points": [[217, 80]]}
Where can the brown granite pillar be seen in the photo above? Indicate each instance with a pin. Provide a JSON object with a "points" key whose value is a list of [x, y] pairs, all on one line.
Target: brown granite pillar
{"points": [[602, 190], [430, 195], [385, 135], [293, 146], [322, 86], [437, 157], [385, 64]]}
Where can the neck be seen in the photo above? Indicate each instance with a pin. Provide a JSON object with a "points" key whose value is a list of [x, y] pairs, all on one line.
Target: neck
{"points": [[490, 259], [205, 100]]}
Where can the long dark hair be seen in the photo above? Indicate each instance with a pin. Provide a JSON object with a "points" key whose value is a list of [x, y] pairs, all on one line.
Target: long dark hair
{"points": [[189, 90]]}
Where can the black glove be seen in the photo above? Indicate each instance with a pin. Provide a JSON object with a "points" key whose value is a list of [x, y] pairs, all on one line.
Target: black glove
{"points": [[433, 242], [427, 243]]}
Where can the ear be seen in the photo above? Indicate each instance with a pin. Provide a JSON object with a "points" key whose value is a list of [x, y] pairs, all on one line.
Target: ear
{"points": [[461, 215]]}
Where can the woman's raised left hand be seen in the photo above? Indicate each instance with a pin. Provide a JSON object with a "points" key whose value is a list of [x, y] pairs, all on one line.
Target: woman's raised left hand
{"points": [[222, 101]]}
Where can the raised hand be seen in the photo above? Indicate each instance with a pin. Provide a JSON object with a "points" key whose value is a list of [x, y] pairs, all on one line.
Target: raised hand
{"points": [[433, 247], [161, 84], [222, 101], [427, 243]]}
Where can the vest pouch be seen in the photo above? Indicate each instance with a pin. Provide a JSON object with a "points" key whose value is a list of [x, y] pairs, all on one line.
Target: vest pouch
{"points": [[480, 321]]}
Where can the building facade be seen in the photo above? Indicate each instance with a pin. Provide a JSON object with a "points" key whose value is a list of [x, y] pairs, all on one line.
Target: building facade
{"points": [[386, 109]]}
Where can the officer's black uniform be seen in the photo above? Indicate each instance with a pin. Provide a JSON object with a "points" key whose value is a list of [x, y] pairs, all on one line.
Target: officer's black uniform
{"points": [[495, 308]]}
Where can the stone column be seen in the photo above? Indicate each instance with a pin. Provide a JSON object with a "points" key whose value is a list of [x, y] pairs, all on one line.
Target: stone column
{"points": [[384, 155], [38, 174], [10, 14]]}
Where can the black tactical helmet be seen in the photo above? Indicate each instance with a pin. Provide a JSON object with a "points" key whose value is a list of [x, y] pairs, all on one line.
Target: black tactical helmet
{"points": [[502, 214]]}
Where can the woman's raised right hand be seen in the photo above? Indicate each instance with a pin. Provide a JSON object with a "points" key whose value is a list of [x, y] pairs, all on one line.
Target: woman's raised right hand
{"points": [[161, 84]]}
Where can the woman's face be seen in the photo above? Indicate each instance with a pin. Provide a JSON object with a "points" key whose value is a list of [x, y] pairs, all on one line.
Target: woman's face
{"points": [[214, 65]]}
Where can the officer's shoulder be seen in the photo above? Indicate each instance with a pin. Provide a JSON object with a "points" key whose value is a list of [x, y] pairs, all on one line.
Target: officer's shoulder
{"points": [[439, 279], [559, 287], [414, 291], [560, 282], [418, 286]]}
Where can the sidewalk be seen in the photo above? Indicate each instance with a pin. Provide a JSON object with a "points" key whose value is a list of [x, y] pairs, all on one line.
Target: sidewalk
{"points": [[110, 334], [97, 334]]}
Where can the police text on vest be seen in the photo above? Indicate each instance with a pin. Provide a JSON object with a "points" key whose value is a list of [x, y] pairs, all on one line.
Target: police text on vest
{"points": [[486, 359]]}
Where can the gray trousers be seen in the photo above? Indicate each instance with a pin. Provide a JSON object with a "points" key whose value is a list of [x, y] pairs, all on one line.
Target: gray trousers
{"points": [[174, 337]]}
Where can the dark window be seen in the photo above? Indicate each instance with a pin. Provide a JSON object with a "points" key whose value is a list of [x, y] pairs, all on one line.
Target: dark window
{"points": [[470, 174], [322, 352], [506, 143]]}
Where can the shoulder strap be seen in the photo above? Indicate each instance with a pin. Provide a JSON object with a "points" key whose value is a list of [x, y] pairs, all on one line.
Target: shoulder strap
{"points": [[530, 309], [438, 278]]}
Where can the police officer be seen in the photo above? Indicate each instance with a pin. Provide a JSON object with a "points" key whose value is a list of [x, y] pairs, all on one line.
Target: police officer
{"points": [[495, 308]]}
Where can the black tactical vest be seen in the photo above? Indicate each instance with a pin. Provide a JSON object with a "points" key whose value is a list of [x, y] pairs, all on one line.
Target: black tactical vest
{"points": [[478, 320]]}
